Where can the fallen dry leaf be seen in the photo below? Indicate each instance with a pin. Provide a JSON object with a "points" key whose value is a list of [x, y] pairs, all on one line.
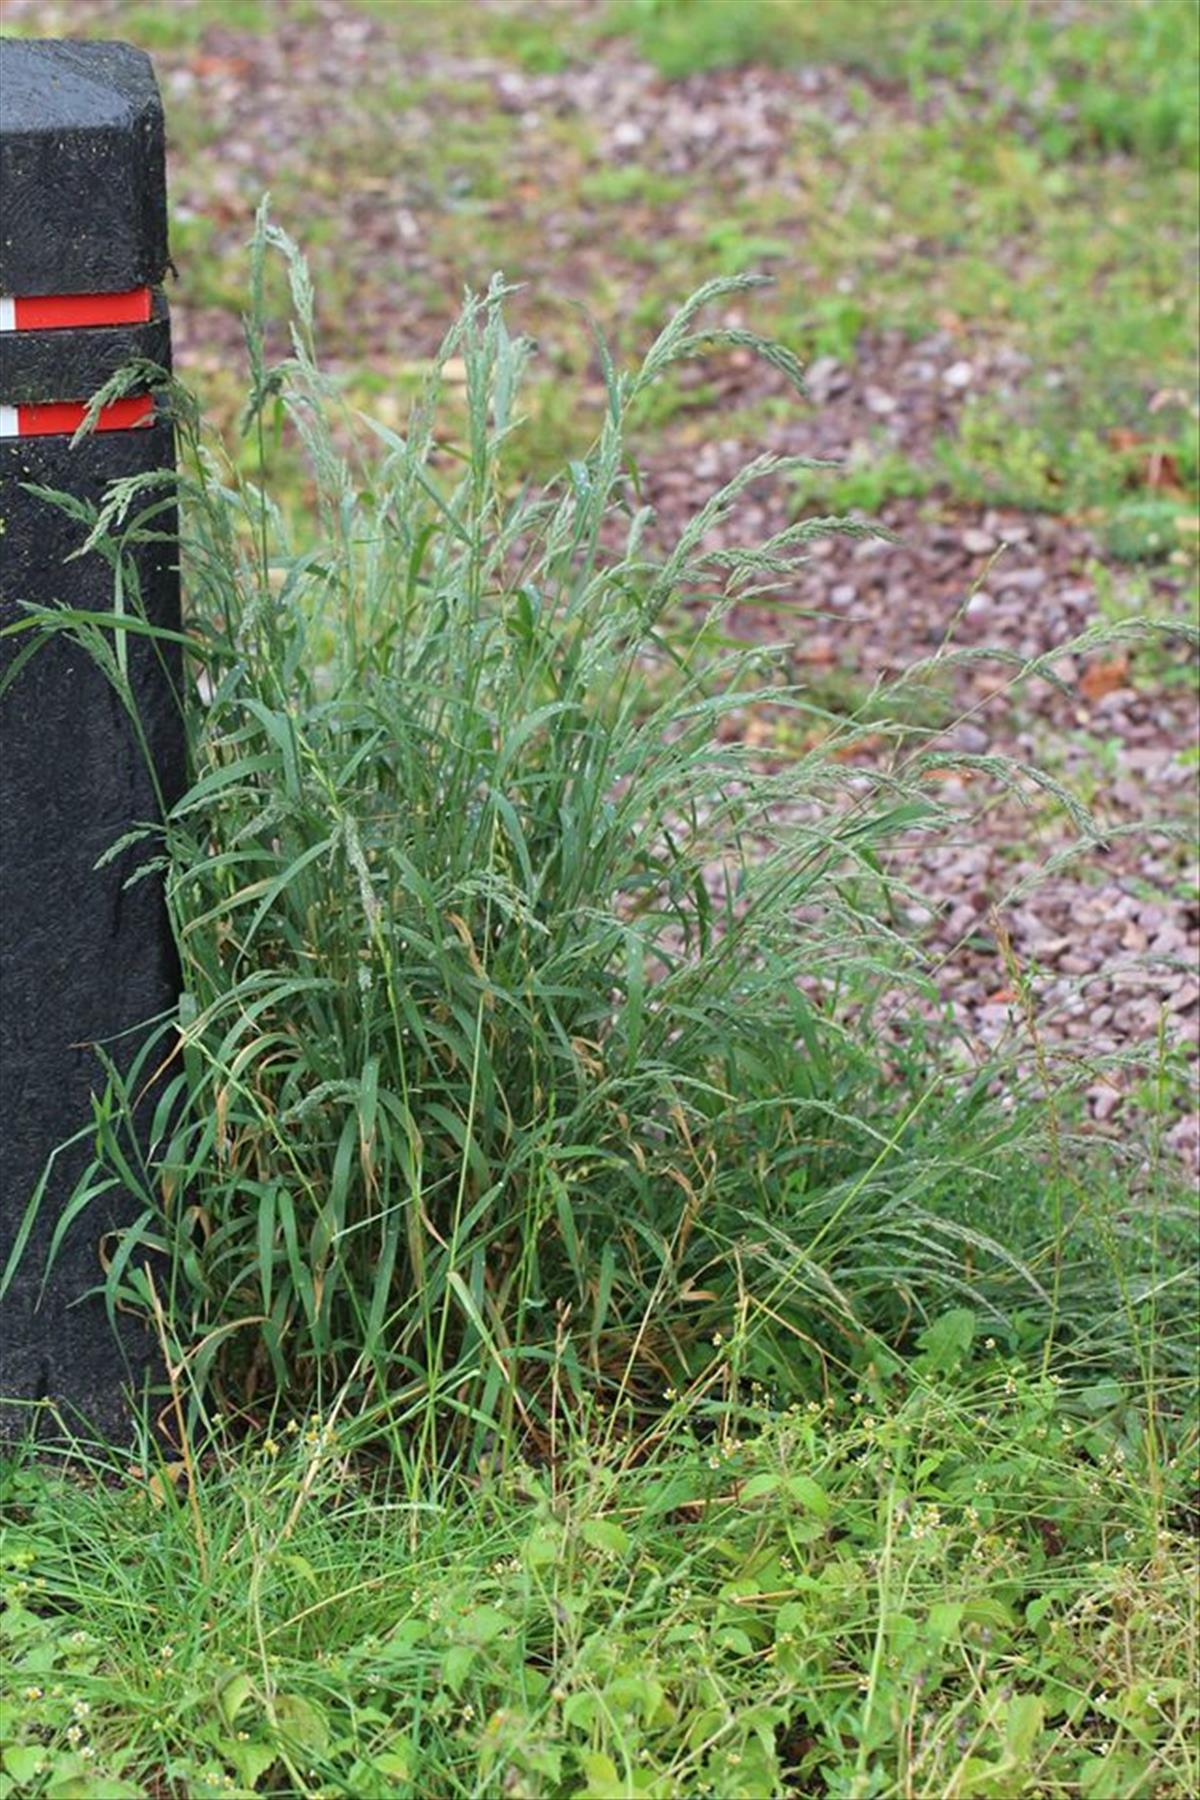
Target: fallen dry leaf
{"points": [[1101, 678]]}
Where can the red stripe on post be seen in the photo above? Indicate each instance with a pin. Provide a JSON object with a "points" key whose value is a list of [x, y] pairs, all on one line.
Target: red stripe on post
{"points": [[56, 312], [56, 417]]}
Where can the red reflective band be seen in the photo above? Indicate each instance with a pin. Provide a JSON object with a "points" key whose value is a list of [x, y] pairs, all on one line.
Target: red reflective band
{"points": [[56, 417], [55, 312]]}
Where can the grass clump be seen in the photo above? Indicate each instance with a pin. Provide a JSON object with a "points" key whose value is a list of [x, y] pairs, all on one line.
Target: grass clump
{"points": [[517, 989]]}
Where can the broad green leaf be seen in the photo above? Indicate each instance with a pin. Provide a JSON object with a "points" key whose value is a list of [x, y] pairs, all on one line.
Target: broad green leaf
{"points": [[605, 1534], [456, 1665], [540, 1549], [946, 1342], [82, 1783], [579, 1711], [809, 1493], [251, 1760], [1026, 1716], [303, 1721], [603, 1782], [23, 1761], [397, 1761], [759, 1486], [704, 1725], [484, 1624], [233, 1694], [944, 1620]]}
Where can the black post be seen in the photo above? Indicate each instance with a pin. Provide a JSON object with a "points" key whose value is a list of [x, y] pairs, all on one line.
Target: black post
{"points": [[83, 958]]}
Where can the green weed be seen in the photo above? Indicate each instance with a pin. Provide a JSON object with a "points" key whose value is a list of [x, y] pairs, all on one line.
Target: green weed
{"points": [[1124, 80], [1049, 465], [1146, 531], [865, 484], [737, 251], [620, 184], [958, 1577], [831, 327], [185, 24]]}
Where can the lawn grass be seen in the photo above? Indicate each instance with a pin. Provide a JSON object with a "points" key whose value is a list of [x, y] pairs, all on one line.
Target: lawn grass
{"points": [[956, 1577]]}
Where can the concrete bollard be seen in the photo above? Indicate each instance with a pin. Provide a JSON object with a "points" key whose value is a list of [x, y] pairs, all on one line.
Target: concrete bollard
{"points": [[84, 959]]}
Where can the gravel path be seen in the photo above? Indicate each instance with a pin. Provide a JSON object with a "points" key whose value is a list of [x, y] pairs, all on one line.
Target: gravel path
{"points": [[1115, 938]]}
